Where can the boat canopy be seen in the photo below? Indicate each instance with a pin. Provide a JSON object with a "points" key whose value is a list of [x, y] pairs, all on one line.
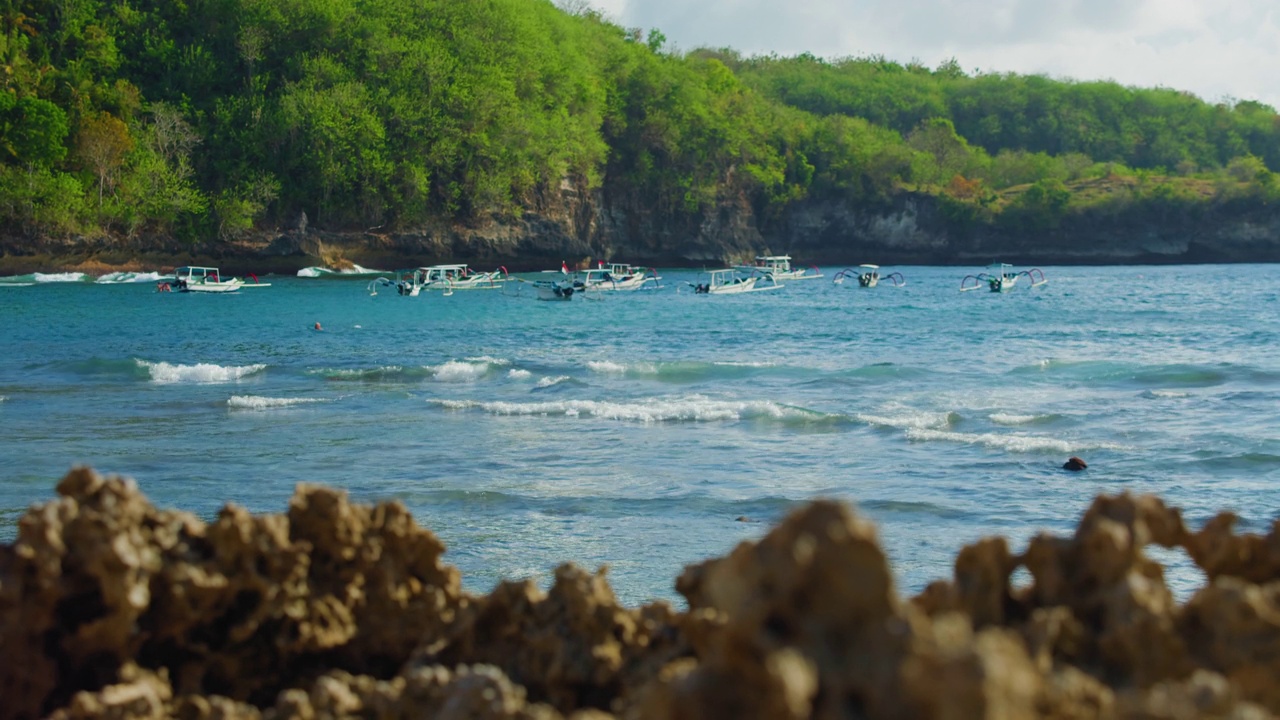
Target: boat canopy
{"points": [[192, 271]]}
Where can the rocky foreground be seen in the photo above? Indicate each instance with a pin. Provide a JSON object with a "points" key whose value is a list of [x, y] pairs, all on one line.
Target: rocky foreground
{"points": [[110, 608]]}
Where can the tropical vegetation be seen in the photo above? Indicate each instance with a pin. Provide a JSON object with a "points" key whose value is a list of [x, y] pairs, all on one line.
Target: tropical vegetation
{"points": [[198, 119]]}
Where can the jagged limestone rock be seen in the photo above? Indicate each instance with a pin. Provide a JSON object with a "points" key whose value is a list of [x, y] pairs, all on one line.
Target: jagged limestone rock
{"points": [[110, 608]]}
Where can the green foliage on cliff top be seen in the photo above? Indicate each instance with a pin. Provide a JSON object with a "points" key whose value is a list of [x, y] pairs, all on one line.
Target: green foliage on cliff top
{"points": [[203, 118]]}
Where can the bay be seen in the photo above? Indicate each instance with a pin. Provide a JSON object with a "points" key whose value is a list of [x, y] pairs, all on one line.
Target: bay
{"points": [[650, 430]]}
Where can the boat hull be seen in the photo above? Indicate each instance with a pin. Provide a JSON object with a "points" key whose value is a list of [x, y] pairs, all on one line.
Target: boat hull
{"points": [[554, 291], [211, 287]]}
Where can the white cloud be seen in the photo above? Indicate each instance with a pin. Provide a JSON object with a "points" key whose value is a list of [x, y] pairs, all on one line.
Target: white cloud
{"points": [[1213, 49]]}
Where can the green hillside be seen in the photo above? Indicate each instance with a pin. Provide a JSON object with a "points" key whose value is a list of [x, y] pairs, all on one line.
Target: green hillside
{"points": [[206, 118]]}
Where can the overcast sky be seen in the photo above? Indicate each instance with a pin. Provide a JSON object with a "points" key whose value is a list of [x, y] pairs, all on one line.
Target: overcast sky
{"points": [[1217, 49]]}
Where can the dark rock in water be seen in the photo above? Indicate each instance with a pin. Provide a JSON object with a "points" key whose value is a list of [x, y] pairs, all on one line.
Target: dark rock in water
{"points": [[1074, 463], [742, 518]]}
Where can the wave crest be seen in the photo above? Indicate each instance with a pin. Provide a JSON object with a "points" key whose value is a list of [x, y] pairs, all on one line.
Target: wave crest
{"points": [[203, 373], [1012, 443], [117, 278], [461, 371], [59, 277], [652, 410], [256, 402]]}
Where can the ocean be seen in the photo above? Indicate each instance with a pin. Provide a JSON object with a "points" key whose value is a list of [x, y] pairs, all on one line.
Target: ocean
{"points": [[650, 430]]}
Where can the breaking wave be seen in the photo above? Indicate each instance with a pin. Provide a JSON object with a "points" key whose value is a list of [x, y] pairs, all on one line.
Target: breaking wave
{"points": [[117, 278], [255, 402], [202, 373], [464, 371], [317, 271], [59, 277], [1013, 443], [652, 410]]}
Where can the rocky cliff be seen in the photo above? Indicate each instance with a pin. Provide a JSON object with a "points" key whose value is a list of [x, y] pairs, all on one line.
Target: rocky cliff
{"points": [[579, 227], [111, 608]]}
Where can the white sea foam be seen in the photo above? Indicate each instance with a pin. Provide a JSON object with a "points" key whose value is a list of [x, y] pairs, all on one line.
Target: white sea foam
{"points": [[255, 402], [499, 362], [163, 372], [902, 418], [1012, 443], [356, 373], [1166, 393], [129, 277], [1010, 419], [58, 277], [316, 271], [609, 367], [459, 371], [518, 374], [549, 381], [651, 410]]}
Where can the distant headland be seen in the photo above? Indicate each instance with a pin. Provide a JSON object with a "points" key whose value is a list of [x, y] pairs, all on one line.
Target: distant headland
{"points": [[526, 134]]}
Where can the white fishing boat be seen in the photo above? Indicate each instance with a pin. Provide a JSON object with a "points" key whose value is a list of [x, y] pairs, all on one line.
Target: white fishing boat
{"points": [[1001, 278], [868, 276], [779, 266], [728, 281], [555, 289], [619, 276], [457, 277], [407, 283], [191, 278]]}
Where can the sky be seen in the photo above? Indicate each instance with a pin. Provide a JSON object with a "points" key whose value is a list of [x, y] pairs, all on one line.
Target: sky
{"points": [[1220, 50]]}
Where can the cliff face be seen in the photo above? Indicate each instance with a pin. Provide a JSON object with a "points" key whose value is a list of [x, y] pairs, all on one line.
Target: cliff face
{"points": [[579, 227]]}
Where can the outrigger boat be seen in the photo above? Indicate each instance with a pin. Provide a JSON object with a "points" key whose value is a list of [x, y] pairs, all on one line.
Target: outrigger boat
{"points": [[869, 276], [728, 281], [448, 278], [555, 289], [458, 277], [406, 283], [190, 278], [617, 276], [779, 266], [1001, 278]]}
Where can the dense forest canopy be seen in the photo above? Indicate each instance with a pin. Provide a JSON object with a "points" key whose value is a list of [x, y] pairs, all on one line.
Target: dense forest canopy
{"points": [[208, 118]]}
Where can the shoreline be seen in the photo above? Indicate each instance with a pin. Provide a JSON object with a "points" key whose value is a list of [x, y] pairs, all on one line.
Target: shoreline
{"points": [[109, 605], [98, 266]]}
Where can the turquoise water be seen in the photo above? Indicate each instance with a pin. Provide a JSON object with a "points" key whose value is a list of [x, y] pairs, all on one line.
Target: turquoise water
{"points": [[636, 430]]}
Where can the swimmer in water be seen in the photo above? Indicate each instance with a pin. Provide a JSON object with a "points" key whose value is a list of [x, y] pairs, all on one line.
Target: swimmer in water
{"points": [[318, 327]]}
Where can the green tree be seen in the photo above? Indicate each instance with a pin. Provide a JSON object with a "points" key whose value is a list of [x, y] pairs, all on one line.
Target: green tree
{"points": [[101, 145]]}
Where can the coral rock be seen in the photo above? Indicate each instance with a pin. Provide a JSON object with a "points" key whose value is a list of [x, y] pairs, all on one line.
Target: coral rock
{"points": [[110, 608]]}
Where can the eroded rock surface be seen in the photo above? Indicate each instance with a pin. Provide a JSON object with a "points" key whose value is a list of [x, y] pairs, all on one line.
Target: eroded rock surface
{"points": [[111, 608]]}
